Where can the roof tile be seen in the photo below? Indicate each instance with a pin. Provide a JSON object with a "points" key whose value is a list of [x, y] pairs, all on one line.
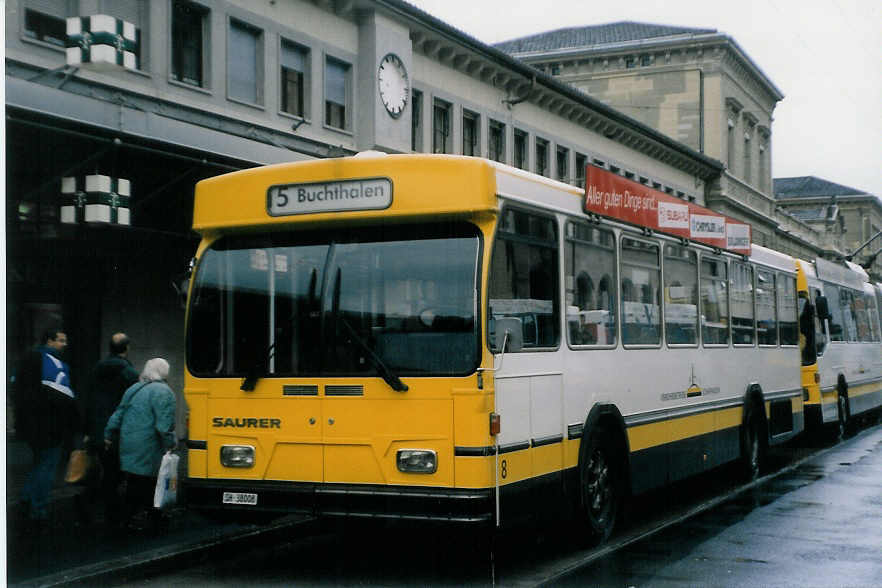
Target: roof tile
{"points": [[810, 186], [593, 35]]}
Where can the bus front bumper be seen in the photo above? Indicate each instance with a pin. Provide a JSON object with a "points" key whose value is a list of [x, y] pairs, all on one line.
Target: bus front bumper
{"points": [[455, 505]]}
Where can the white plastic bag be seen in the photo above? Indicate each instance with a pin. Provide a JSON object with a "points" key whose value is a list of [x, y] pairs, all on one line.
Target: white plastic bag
{"points": [[166, 494]]}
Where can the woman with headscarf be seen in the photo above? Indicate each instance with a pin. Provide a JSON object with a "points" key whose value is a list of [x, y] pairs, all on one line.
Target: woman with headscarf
{"points": [[144, 422]]}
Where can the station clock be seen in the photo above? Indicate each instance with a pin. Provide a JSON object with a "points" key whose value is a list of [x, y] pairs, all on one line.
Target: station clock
{"points": [[393, 84]]}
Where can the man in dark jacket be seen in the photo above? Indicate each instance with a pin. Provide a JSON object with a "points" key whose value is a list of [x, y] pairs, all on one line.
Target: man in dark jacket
{"points": [[46, 416], [110, 378]]}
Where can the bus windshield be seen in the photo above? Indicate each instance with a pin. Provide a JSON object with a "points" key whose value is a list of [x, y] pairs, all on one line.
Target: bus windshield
{"points": [[400, 300]]}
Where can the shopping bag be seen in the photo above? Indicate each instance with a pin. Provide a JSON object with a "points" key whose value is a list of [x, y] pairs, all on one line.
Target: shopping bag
{"points": [[166, 494], [78, 466]]}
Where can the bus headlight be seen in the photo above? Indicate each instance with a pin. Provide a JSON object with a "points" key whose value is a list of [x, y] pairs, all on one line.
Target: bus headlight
{"points": [[417, 461], [237, 456]]}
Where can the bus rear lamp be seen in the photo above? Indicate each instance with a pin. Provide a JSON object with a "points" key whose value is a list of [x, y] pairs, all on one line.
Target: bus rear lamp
{"points": [[417, 461], [817, 378], [805, 394], [237, 456], [495, 424]]}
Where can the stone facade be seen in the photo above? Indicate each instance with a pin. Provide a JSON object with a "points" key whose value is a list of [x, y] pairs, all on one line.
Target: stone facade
{"points": [[850, 218]]}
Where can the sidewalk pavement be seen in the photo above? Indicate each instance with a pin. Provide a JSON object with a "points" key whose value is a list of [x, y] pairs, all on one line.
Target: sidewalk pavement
{"points": [[76, 547]]}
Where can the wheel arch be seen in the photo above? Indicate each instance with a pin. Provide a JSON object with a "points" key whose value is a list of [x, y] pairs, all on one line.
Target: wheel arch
{"points": [[755, 400], [608, 417], [841, 385]]}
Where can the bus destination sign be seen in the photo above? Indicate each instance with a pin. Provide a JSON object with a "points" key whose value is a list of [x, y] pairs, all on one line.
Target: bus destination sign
{"points": [[344, 195], [610, 195]]}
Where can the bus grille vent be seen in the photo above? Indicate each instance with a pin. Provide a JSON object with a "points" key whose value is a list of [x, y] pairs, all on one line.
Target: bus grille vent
{"points": [[344, 391], [300, 390]]}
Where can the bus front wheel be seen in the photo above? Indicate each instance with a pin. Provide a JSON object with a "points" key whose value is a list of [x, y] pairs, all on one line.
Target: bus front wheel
{"points": [[600, 485]]}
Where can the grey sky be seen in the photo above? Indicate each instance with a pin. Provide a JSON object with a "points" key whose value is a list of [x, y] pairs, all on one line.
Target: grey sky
{"points": [[824, 55]]}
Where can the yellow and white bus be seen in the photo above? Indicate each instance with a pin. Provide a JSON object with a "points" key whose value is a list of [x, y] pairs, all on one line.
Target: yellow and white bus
{"points": [[449, 338], [848, 343]]}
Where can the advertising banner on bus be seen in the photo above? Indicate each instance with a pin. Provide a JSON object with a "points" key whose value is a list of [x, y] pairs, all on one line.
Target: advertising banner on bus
{"points": [[611, 195]]}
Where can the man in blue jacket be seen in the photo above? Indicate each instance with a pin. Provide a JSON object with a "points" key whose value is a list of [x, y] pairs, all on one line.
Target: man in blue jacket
{"points": [[46, 416]]}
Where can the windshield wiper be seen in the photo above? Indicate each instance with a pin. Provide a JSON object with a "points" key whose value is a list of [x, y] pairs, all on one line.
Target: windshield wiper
{"points": [[382, 369], [259, 369], [394, 381]]}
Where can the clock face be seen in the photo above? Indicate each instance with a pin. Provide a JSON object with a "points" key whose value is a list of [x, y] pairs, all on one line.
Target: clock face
{"points": [[393, 84]]}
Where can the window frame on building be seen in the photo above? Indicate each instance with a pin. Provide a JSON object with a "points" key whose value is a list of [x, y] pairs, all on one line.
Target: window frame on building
{"points": [[337, 115], [471, 134], [289, 53], [581, 163], [496, 140], [541, 158], [241, 87], [416, 121], [520, 149], [46, 21], [562, 163], [442, 110], [189, 38]]}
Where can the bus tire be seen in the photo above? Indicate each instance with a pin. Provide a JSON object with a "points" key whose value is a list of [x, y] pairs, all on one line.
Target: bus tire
{"points": [[600, 484], [843, 416], [753, 442]]}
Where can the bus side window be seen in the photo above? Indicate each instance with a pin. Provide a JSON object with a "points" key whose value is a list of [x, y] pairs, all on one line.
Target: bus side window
{"points": [[714, 301], [807, 341], [743, 325], [837, 318], [878, 307], [524, 276], [820, 317], [641, 293], [681, 295], [590, 262], [787, 310], [766, 328], [872, 317]]}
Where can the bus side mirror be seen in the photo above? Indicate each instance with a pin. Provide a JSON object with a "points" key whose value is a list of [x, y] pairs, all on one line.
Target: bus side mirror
{"points": [[181, 283], [509, 332], [822, 308]]}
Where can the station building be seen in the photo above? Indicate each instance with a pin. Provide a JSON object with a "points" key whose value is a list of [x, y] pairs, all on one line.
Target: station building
{"points": [[851, 218], [698, 86], [140, 99]]}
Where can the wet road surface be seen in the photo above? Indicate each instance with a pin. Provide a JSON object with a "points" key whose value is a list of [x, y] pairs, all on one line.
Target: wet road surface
{"points": [[817, 522]]}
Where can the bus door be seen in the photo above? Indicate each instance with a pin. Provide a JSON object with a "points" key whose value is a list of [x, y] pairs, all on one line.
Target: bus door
{"points": [[524, 288]]}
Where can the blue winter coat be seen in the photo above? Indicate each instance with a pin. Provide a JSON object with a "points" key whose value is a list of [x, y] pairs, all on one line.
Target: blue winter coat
{"points": [[145, 420]]}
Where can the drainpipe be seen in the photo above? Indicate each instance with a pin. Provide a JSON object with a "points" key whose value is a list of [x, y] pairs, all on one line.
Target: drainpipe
{"points": [[700, 111]]}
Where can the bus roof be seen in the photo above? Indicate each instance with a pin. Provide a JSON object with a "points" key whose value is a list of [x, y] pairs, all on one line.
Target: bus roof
{"points": [[347, 189], [844, 274], [772, 258]]}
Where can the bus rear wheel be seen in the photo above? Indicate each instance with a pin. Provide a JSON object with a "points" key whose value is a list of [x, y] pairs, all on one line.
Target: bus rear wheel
{"points": [[600, 485]]}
